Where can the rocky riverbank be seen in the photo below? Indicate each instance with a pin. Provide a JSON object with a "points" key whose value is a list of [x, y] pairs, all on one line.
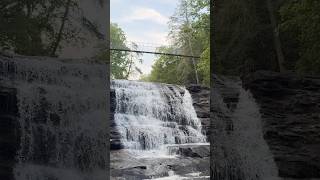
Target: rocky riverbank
{"points": [[191, 163]]}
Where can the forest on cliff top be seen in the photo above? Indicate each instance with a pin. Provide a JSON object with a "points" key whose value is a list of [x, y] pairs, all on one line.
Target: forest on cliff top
{"points": [[189, 33], [246, 36], [279, 35]]}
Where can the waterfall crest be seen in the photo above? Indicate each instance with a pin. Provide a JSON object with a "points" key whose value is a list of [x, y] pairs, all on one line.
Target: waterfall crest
{"points": [[149, 116]]}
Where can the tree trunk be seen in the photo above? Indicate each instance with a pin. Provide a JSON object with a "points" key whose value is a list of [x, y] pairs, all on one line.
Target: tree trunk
{"points": [[276, 38], [63, 21], [213, 33], [130, 66], [190, 47]]}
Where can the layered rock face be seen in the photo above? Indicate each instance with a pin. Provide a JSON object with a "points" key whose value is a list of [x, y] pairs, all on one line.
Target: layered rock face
{"points": [[201, 103], [290, 109]]}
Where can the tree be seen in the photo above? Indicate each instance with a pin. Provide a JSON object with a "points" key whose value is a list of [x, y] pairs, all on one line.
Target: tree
{"points": [[277, 41], [37, 27], [300, 23], [63, 22], [167, 69], [190, 34], [244, 37], [119, 59], [190, 30], [123, 63], [204, 67]]}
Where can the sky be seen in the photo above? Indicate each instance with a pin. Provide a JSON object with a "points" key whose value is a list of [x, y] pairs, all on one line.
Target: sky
{"points": [[144, 21]]}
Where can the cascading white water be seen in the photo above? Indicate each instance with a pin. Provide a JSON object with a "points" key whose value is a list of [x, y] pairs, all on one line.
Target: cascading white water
{"points": [[62, 118], [255, 154], [150, 116], [239, 149]]}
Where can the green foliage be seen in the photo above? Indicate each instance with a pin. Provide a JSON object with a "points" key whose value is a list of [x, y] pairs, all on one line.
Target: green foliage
{"points": [[123, 63], [32, 27], [204, 67], [300, 20], [190, 34], [243, 37], [119, 59], [167, 69], [145, 77]]}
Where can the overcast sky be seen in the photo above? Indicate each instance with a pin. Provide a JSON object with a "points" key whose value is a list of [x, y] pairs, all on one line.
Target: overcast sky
{"points": [[144, 21]]}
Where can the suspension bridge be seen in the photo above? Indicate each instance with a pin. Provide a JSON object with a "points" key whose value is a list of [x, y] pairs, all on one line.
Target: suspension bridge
{"points": [[153, 48], [149, 48]]}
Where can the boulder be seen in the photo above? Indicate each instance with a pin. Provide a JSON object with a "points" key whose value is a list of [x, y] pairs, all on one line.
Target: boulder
{"points": [[190, 150]]}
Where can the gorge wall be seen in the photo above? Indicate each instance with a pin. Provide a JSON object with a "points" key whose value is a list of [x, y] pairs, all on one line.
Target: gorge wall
{"points": [[238, 149], [288, 107], [289, 110]]}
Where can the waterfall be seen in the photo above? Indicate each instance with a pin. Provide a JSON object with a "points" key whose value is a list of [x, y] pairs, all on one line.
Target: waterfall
{"points": [[62, 118], [239, 149], [151, 116]]}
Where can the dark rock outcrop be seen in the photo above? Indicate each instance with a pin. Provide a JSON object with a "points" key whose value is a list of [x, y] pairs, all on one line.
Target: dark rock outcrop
{"points": [[115, 142], [290, 109], [225, 162], [9, 131], [201, 103], [196, 151]]}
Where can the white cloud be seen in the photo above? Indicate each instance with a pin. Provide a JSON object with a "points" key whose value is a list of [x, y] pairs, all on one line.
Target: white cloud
{"points": [[159, 37], [152, 38], [170, 2], [143, 13]]}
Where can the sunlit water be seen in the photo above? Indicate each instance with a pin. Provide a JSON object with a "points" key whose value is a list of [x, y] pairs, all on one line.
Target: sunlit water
{"points": [[153, 120], [189, 176], [150, 117]]}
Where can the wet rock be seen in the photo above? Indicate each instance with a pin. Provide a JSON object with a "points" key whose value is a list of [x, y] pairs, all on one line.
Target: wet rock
{"points": [[290, 108], [201, 103], [125, 165], [115, 144], [9, 132], [196, 151]]}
